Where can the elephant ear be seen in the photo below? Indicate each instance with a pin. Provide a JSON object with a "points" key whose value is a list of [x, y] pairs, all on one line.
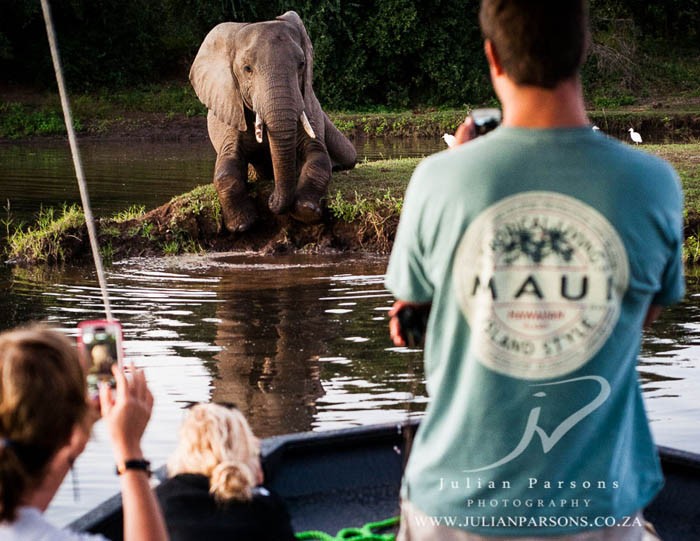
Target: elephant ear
{"points": [[293, 18], [212, 77]]}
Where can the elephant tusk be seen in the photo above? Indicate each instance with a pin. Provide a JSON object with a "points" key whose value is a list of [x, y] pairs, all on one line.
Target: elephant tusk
{"points": [[307, 125], [258, 128]]}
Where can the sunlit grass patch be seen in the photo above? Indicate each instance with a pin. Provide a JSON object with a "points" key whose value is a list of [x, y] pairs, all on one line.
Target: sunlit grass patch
{"points": [[131, 213], [43, 241]]}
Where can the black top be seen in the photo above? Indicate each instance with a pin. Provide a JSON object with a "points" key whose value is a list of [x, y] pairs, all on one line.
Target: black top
{"points": [[191, 513]]}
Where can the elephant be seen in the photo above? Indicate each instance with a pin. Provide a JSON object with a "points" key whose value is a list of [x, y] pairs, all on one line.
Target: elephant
{"points": [[255, 79]]}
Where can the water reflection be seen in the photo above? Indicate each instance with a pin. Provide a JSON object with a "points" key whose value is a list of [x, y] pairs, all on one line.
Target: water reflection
{"points": [[669, 368], [270, 337], [299, 343], [118, 175]]}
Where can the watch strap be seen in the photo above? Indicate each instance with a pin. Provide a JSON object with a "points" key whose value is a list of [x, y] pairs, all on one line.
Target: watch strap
{"points": [[138, 464]]}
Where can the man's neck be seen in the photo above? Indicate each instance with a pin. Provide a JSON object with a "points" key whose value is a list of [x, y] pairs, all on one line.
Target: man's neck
{"points": [[537, 107]]}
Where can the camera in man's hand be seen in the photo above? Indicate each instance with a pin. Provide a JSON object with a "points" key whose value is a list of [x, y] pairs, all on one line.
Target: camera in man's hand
{"points": [[413, 323], [485, 120]]}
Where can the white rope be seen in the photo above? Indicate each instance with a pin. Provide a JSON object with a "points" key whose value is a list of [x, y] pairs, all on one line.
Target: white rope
{"points": [[75, 153]]}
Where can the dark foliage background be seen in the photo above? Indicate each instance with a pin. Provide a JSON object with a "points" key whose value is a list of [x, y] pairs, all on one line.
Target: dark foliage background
{"points": [[396, 53]]}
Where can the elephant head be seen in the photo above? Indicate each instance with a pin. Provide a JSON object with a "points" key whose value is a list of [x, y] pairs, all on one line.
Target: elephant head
{"points": [[261, 74]]}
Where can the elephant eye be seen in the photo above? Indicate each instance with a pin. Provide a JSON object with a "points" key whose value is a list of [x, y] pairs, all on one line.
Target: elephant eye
{"points": [[247, 69], [301, 65]]}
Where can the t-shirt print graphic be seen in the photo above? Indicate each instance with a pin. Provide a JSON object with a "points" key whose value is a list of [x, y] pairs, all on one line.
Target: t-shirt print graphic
{"points": [[540, 277]]}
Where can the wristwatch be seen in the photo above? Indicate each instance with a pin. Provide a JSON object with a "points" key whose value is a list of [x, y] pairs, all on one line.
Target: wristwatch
{"points": [[135, 464]]}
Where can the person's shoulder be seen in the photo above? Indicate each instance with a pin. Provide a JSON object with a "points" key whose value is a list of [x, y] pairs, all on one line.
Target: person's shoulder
{"points": [[268, 497], [270, 502], [31, 525], [651, 176], [181, 490], [275, 511], [639, 158], [451, 163]]}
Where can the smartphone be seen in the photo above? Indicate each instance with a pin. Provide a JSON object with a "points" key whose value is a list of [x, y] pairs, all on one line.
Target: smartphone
{"points": [[413, 323], [100, 347], [485, 120]]}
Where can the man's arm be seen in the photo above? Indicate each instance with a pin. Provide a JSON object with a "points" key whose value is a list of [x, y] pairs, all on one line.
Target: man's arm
{"points": [[652, 314]]}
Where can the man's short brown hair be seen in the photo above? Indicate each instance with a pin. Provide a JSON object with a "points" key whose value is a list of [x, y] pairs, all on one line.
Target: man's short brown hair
{"points": [[540, 42]]}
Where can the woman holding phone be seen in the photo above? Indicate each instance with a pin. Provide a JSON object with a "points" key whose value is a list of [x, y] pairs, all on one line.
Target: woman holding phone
{"points": [[45, 423]]}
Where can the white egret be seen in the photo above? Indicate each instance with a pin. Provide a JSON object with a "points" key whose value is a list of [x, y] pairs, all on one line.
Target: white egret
{"points": [[449, 139], [635, 136], [595, 128]]}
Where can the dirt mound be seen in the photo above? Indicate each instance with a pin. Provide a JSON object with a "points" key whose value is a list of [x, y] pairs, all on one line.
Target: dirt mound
{"points": [[191, 223]]}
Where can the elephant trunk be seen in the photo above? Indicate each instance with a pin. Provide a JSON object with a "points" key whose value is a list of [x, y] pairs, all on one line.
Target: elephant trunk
{"points": [[282, 113], [282, 134]]}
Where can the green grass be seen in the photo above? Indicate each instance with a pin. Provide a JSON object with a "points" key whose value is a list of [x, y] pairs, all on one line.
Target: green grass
{"points": [[198, 201], [42, 241], [101, 111], [131, 213], [18, 120], [372, 180]]}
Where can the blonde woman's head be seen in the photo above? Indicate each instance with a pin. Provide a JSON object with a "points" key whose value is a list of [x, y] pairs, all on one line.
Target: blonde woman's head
{"points": [[217, 442]]}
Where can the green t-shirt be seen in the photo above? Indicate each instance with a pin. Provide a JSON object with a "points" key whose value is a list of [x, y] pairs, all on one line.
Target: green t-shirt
{"points": [[541, 251]]}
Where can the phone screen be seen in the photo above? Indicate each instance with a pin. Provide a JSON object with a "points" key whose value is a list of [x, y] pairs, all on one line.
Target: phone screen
{"points": [[100, 345]]}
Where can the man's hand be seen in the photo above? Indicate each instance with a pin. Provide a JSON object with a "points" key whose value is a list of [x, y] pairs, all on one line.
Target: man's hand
{"points": [[652, 314], [394, 323], [465, 132]]}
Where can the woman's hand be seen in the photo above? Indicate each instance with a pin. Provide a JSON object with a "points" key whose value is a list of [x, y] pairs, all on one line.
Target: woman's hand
{"points": [[126, 412]]}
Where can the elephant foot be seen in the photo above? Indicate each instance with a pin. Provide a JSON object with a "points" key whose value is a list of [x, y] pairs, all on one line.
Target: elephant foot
{"points": [[240, 218], [307, 212], [277, 204]]}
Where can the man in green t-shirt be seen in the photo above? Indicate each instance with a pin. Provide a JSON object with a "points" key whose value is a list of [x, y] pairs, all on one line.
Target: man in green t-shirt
{"points": [[541, 248]]}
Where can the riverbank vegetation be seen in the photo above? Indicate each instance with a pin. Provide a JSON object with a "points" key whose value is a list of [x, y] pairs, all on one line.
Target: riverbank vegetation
{"points": [[393, 67], [395, 53], [363, 209], [173, 113]]}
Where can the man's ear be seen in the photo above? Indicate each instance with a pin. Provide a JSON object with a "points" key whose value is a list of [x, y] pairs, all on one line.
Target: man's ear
{"points": [[492, 57]]}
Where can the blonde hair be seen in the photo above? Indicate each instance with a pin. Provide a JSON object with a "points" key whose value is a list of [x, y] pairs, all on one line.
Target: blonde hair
{"points": [[43, 396], [218, 442]]}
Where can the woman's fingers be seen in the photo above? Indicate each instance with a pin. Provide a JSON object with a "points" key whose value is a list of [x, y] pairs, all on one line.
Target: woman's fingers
{"points": [[106, 401], [122, 383], [137, 381]]}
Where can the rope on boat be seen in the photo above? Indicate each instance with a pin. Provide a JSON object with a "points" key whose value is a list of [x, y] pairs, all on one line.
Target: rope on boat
{"points": [[75, 154], [369, 532]]}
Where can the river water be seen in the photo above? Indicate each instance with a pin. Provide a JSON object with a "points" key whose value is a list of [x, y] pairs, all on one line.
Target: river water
{"points": [[297, 342]]}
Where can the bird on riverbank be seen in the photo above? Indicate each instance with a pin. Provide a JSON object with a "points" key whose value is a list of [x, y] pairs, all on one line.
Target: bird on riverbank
{"points": [[635, 136], [595, 128], [449, 139]]}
